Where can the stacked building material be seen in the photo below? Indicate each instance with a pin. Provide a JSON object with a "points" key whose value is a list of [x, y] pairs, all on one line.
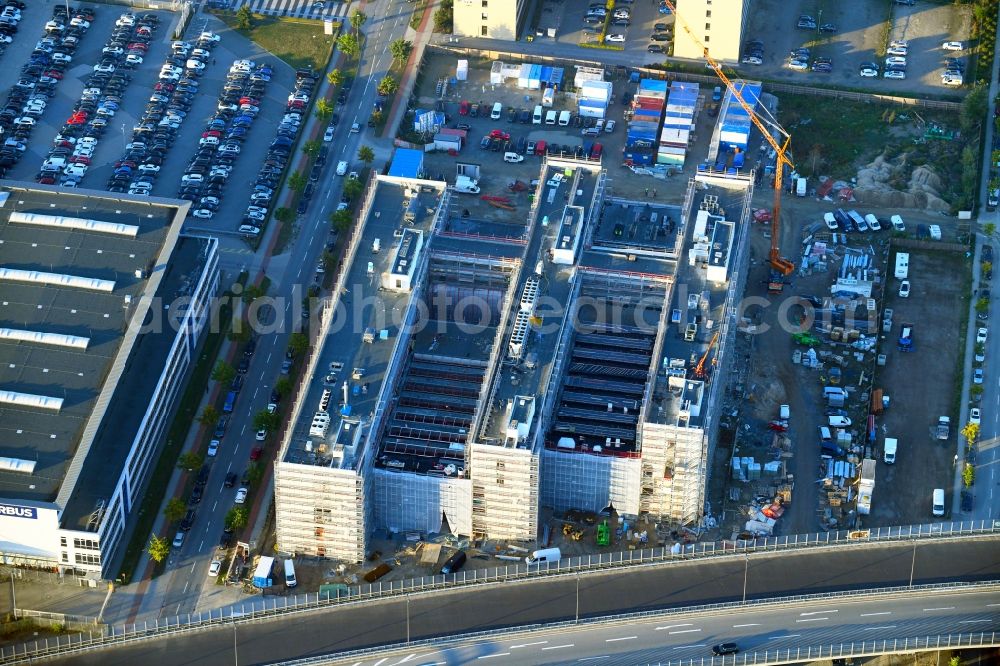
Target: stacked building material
{"points": [[536, 77], [678, 124], [644, 128]]}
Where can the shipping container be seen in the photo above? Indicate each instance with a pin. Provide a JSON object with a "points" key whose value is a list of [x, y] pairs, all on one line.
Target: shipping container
{"points": [[638, 157]]}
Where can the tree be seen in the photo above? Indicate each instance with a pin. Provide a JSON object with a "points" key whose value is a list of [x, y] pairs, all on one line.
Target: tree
{"points": [[358, 19], [284, 214], [973, 108], [158, 549], [223, 372], [244, 18], [983, 305], [297, 181], [366, 155], [376, 117], [986, 267], [209, 415], [329, 261], [335, 77], [189, 461], [348, 45], [254, 473], [311, 148], [400, 50], [387, 86], [341, 220], [265, 420], [239, 334], [971, 432], [968, 475], [989, 228], [298, 343], [976, 390], [353, 189], [237, 517], [283, 386], [252, 292], [175, 509], [443, 17], [324, 109]]}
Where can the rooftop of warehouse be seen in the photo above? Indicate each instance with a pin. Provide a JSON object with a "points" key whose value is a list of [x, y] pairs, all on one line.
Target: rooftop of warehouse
{"points": [[70, 290]]}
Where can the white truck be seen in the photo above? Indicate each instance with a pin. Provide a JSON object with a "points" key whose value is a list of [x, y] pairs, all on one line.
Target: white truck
{"points": [[889, 450], [943, 430], [866, 486], [902, 265], [800, 186], [467, 185]]}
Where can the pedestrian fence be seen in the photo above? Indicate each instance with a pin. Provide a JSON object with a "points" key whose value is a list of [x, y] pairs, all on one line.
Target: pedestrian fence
{"points": [[768, 657], [271, 607], [65, 621]]}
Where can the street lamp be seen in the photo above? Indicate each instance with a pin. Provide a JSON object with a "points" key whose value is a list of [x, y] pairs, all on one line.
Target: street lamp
{"points": [[236, 657], [407, 619], [913, 562], [577, 617]]}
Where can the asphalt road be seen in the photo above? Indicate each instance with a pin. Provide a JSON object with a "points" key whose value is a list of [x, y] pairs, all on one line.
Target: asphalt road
{"points": [[552, 599], [758, 630], [186, 580]]}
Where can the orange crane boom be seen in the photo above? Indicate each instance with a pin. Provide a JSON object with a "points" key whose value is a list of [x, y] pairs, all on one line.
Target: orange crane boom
{"points": [[699, 370], [778, 262]]}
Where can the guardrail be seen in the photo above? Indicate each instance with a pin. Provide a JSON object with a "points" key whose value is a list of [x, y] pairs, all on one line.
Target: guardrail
{"points": [[270, 607], [774, 657]]}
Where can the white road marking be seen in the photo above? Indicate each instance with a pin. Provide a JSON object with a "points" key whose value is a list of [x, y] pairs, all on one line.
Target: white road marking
{"points": [[216, 504], [818, 613], [558, 647], [871, 614], [973, 621], [683, 647], [408, 657], [192, 567], [991, 605], [228, 469], [813, 619], [186, 586], [515, 647], [752, 624], [595, 658], [683, 631], [927, 610], [623, 638], [381, 661], [672, 626], [498, 654], [887, 626], [778, 638]]}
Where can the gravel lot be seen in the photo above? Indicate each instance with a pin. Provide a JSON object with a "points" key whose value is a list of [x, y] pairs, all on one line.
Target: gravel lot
{"points": [[860, 25]]}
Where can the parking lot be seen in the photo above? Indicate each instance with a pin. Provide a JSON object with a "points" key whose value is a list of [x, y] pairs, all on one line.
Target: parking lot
{"points": [[477, 89], [925, 26], [187, 100], [574, 24]]}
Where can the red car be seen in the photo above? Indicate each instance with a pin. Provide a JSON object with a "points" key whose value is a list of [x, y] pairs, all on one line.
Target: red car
{"points": [[161, 87], [215, 133], [292, 106], [80, 159], [463, 108], [46, 180], [256, 452], [595, 153], [139, 46], [499, 134], [249, 100], [128, 163], [54, 73], [76, 119]]}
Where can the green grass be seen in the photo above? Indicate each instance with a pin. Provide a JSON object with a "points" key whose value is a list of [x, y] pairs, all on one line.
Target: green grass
{"points": [[184, 417], [299, 43], [418, 13]]}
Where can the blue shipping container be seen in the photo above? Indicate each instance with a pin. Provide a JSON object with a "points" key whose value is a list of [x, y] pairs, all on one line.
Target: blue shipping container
{"points": [[639, 157], [652, 85]]}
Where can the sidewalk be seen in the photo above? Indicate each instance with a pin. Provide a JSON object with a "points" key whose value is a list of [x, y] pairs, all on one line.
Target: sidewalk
{"points": [[420, 42]]}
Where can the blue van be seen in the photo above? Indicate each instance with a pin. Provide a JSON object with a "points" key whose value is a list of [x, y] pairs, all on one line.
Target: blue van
{"points": [[230, 402]]}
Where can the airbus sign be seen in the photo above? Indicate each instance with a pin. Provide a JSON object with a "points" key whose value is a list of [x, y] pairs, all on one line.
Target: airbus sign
{"points": [[15, 511]]}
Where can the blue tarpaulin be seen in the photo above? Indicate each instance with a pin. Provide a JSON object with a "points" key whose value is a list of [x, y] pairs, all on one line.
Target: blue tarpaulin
{"points": [[407, 163]]}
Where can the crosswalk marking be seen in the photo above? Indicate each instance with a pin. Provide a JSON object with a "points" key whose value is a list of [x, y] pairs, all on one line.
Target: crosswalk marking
{"points": [[306, 9]]}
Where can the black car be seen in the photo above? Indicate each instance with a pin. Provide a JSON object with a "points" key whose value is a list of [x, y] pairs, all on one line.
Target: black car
{"points": [[188, 521], [966, 501], [725, 648], [226, 540], [230, 480], [196, 494], [245, 479], [988, 253]]}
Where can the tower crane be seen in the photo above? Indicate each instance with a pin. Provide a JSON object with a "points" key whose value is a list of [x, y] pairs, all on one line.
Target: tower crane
{"points": [[779, 264], [699, 370]]}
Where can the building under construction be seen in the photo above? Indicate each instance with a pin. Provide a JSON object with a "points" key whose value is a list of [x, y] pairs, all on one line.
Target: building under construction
{"points": [[466, 379]]}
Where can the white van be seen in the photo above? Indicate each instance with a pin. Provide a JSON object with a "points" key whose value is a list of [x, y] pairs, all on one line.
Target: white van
{"points": [[937, 502], [513, 158], [341, 168], [371, 269], [840, 422], [824, 434], [550, 117], [564, 117], [536, 117], [497, 111], [897, 223], [544, 556], [873, 222], [290, 574], [376, 245], [889, 455], [831, 221]]}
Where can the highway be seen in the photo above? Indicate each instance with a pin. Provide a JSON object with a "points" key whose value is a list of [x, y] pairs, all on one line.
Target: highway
{"points": [[186, 586], [594, 595], [760, 630]]}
